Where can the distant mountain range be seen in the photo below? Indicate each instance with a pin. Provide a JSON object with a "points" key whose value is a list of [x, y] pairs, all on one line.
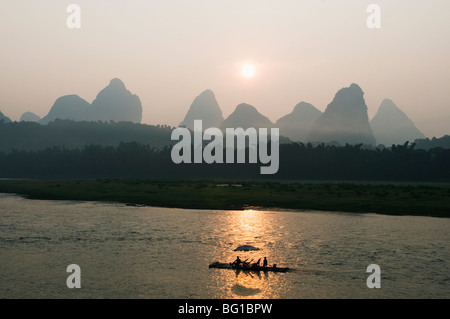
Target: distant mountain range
{"points": [[392, 126], [297, 124], [29, 117], [68, 107], [246, 116], [205, 108], [113, 103], [345, 119]]}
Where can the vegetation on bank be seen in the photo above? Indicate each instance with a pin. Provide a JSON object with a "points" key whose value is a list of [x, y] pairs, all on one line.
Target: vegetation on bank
{"points": [[394, 199], [297, 161], [131, 163]]}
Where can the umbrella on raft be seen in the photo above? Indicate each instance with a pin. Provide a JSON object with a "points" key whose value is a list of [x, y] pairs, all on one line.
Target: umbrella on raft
{"points": [[246, 248]]}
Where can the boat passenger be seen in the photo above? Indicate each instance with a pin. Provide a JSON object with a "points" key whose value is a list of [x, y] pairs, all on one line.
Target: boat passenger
{"points": [[256, 264], [246, 264], [265, 262], [237, 262]]}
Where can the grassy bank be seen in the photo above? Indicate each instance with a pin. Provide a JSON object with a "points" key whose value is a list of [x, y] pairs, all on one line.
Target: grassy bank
{"points": [[425, 200]]}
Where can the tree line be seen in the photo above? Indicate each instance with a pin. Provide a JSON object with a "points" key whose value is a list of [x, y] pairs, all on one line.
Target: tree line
{"points": [[298, 161]]}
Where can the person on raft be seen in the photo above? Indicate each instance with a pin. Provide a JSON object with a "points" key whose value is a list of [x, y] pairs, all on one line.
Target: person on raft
{"points": [[237, 262]]}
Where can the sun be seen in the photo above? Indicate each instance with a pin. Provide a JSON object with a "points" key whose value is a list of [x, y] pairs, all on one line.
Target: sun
{"points": [[248, 71]]}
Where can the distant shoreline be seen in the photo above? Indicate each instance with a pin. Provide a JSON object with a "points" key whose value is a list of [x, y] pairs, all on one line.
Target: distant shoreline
{"points": [[388, 198]]}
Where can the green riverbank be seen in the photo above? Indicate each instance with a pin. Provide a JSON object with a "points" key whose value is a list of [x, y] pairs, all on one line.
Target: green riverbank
{"points": [[394, 199]]}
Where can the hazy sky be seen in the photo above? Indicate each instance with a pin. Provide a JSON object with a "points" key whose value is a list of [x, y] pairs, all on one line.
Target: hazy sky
{"points": [[169, 51]]}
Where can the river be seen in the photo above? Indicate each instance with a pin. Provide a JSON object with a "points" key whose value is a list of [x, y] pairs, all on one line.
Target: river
{"points": [[151, 252]]}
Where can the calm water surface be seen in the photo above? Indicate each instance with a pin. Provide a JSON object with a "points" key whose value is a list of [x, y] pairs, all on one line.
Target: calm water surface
{"points": [[148, 252]]}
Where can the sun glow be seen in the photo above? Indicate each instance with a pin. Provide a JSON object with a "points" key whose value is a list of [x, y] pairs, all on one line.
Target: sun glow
{"points": [[248, 70]]}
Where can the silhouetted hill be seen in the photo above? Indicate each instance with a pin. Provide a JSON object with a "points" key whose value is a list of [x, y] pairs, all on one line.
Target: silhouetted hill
{"points": [[29, 117], [392, 126], [246, 116], [113, 103], [345, 120], [116, 103], [205, 108], [30, 136], [68, 107], [4, 118], [297, 124]]}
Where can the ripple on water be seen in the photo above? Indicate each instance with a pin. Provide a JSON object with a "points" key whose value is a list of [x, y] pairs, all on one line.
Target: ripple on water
{"points": [[147, 252]]}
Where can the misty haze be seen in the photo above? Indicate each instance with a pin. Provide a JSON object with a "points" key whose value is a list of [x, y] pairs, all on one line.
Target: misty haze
{"points": [[257, 151]]}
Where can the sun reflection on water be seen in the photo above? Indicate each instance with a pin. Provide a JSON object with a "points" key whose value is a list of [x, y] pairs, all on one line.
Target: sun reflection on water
{"points": [[255, 228]]}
